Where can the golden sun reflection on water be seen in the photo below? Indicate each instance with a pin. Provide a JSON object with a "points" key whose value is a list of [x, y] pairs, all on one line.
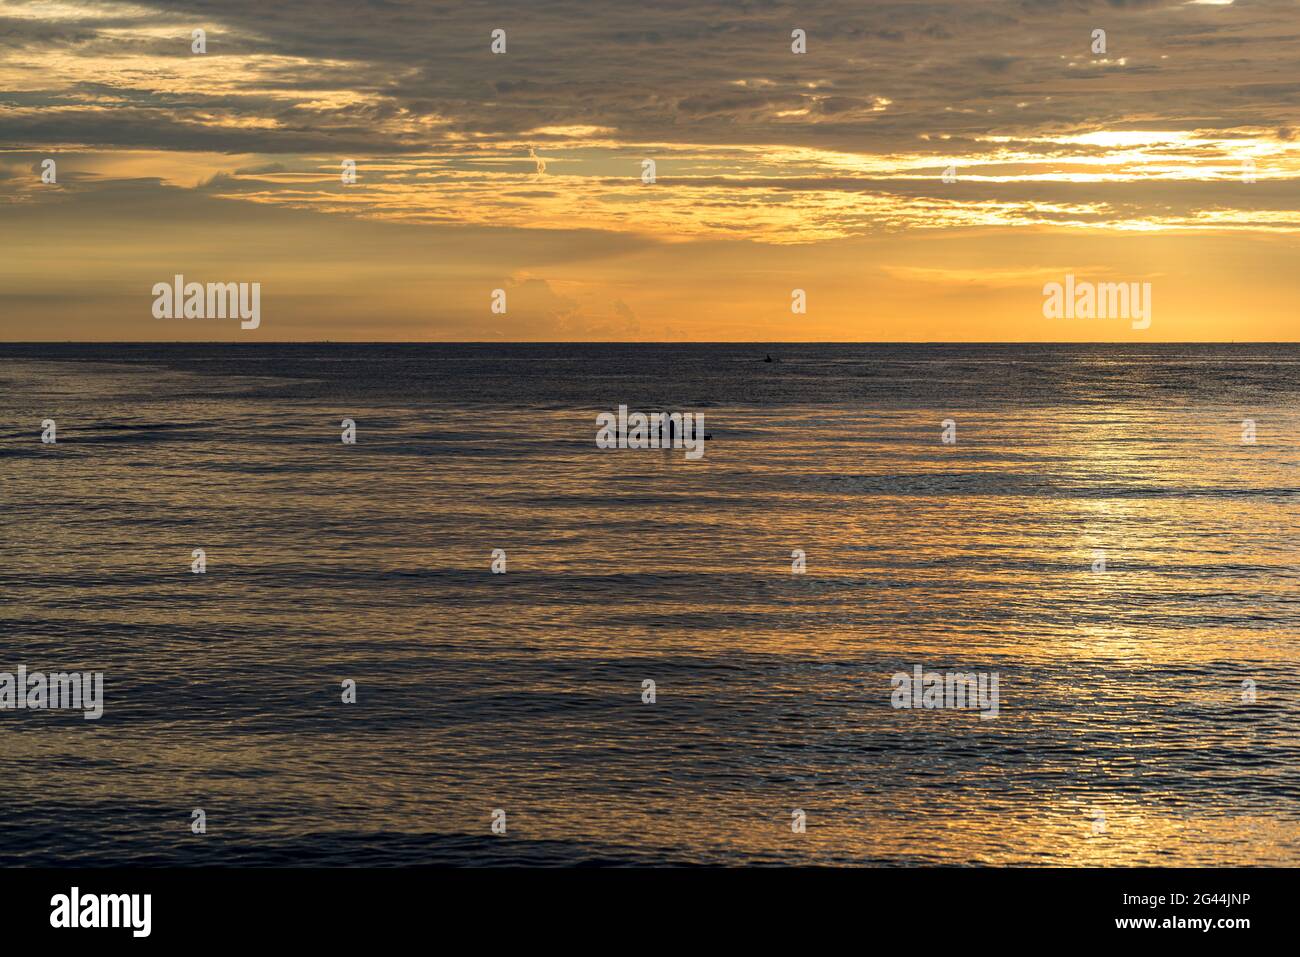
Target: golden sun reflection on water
{"points": [[1120, 691]]}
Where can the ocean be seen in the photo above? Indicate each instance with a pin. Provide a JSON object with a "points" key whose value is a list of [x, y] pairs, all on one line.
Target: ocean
{"points": [[1100, 531]]}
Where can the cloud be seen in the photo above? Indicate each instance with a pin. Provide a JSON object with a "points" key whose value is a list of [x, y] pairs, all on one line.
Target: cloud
{"points": [[294, 77], [541, 163], [474, 167]]}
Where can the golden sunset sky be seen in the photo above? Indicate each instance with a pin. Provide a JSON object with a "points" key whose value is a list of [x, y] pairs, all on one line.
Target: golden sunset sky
{"points": [[821, 171]]}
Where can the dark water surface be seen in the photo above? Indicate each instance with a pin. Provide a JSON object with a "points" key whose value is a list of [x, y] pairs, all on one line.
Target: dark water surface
{"points": [[1121, 692]]}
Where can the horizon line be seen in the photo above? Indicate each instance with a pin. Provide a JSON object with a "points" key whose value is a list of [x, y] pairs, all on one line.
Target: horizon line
{"points": [[645, 342]]}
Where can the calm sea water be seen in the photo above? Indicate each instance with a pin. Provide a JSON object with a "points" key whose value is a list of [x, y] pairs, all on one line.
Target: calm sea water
{"points": [[1121, 692]]}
